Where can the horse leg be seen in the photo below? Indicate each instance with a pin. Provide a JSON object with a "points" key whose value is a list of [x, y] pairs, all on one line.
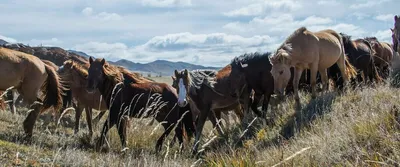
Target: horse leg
{"points": [[296, 79], [30, 120], [325, 79], [167, 130], [214, 117], [88, 111], [11, 103], [107, 125], [78, 113], [342, 67], [199, 127], [313, 80], [98, 117], [254, 104], [123, 122]]}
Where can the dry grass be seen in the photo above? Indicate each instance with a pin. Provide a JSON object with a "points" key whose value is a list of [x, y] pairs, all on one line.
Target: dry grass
{"points": [[355, 128]]}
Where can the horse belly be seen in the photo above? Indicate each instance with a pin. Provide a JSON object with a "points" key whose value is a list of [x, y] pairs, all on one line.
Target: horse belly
{"points": [[10, 75]]}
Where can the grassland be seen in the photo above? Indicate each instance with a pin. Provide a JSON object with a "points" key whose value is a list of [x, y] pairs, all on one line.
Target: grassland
{"points": [[355, 128]]}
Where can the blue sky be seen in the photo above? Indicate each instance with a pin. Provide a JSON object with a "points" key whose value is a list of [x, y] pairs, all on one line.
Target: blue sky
{"points": [[205, 32]]}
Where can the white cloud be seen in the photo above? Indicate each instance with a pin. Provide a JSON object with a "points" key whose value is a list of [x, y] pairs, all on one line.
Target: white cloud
{"points": [[328, 2], [166, 3], [384, 17], [265, 7], [368, 4], [8, 39], [383, 35], [214, 49], [87, 11]]}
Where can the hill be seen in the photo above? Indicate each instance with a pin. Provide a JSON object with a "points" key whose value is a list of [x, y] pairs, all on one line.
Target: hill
{"points": [[162, 67]]}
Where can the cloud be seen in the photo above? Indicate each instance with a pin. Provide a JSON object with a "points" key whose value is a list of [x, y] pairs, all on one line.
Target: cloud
{"points": [[8, 39], [206, 49], [44, 42], [368, 4], [166, 3], [383, 35], [384, 17], [265, 7], [328, 2], [88, 12]]}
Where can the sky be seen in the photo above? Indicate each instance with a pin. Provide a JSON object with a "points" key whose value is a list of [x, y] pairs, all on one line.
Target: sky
{"points": [[203, 32]]}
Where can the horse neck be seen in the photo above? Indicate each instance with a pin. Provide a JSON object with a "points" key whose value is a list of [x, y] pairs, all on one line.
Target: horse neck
{"points": [[106, 89]]}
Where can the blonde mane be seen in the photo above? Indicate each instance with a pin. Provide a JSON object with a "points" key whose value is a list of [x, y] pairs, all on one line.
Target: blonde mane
{"points": [[283, 51]]}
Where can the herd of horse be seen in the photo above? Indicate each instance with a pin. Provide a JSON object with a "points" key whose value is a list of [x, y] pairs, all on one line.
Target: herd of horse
{"points": [[304, 58]]}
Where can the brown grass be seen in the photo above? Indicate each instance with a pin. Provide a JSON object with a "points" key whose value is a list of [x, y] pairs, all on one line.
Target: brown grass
{"points": [[355, 128]]}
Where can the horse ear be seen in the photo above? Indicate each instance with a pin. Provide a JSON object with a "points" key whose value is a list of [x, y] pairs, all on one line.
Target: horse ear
{"points": [[173, 78], [176, 72], [186, 72], [90, 59], [396, 17], [103, 61]]}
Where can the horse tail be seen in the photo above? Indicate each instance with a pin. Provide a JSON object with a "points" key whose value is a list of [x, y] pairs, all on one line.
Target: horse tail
{"points": [[52, 90], [350, 70]]}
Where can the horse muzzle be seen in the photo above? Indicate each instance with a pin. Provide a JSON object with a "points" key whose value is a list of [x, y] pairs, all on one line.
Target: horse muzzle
{"points": [[182, 103]]}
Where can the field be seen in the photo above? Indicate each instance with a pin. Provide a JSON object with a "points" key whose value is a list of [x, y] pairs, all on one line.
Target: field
{"points": [[355, 128]]}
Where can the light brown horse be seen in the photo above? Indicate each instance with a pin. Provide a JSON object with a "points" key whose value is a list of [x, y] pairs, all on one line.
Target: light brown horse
{"points": [[226, 90], [304, 49], [28, 74], [383, 55], [75, 75]]}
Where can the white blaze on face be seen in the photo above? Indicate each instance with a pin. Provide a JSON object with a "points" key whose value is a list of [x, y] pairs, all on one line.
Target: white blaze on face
{"points": [[181, 93]]}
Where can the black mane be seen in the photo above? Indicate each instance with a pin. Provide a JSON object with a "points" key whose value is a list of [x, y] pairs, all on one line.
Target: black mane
{"points": [[249, 58]]}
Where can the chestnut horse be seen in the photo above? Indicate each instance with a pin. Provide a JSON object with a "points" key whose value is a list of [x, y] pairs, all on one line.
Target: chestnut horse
{"points": [[28, 74], [383, 55], [75, 74], [127, 96], [304, 49]]}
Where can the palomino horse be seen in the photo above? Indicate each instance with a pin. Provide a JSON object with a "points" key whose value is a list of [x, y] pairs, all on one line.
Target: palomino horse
{"points": [[383, 55], [28, 74], [316, 51], [74, 74], [361, 55], [216, 114], [225, 91], [127, 95]]}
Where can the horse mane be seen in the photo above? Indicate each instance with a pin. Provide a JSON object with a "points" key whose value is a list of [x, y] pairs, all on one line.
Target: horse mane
{"points": [[113, 73], [197, 77], [372, 39], [347, 41], [133, 76], [249, 58], [79, 67], [286, 46]]}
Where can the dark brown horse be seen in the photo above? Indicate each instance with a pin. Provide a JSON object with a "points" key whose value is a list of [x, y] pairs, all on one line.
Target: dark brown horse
{"points": [[227, 90], [361, 55], [216, 115], [396, 34], [383, 56], [127, 96], [256, 68]]}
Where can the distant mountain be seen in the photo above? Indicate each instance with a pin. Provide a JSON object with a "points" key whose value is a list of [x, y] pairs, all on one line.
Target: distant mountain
{"points": [[83, 54], [162, 67], [3, 42]]}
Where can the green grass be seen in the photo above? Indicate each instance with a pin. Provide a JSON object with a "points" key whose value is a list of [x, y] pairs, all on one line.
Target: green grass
{"points": [[355, 128]]}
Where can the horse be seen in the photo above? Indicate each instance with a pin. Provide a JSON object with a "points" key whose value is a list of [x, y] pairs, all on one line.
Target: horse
{"points": [[256, 68], [383, 55], [216, 114], [127, 96], [360, 53], [304, 49], [226, 90], [396, 34], [75, 74], [28, 74]]}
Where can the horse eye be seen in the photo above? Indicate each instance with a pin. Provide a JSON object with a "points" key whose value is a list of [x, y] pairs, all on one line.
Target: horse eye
{"points": [[280, 72]]}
